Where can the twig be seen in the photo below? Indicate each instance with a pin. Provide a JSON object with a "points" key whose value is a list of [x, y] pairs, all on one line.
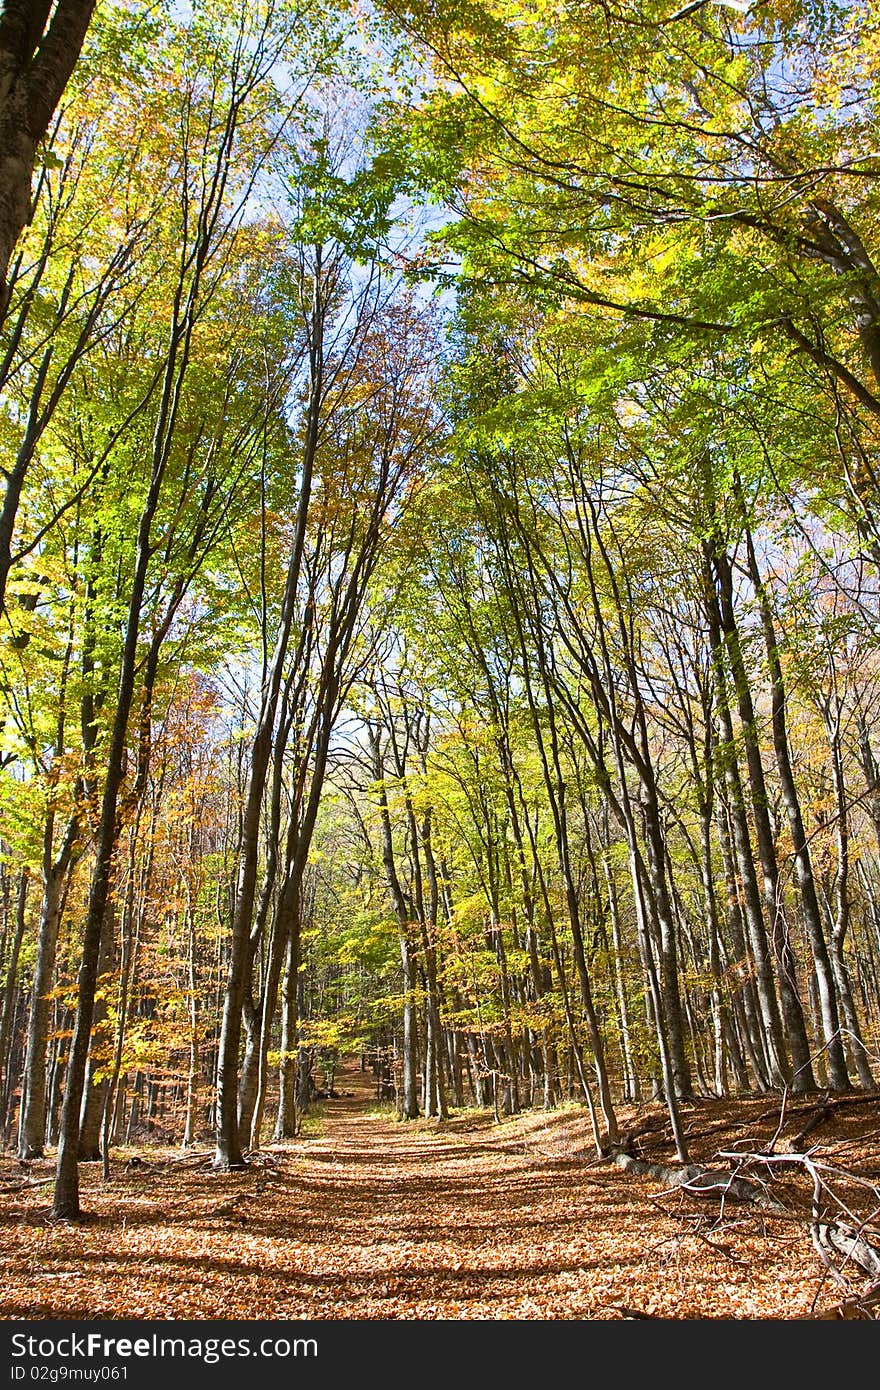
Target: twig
{"points": [[782, 1109], [692, 1219]]}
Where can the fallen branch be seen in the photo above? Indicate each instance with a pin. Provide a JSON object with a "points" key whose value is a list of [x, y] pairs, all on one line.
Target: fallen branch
{"points": [[695, 1232], [716, 1183], [841, 1247], [820, 1116], [836, 1239], [863, 1306], [836, 1243]]}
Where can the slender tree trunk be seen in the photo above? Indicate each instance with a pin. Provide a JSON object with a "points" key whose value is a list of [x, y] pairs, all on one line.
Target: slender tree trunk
{"points": [[32, 1121], [505, 1057], [554, 782], [285, 1122], [512, 786], [285, 929], [66, 1201], [409, 1055], [174, 373], [632, 1085], [744, 994], [841, 922], [868, 764], [97, 1087], [654, 991], [193, 1077], [250, 1065], [430, 920], [668, 951], [802, 862], [751, 898], [10, 994], [402, 911], [792, 1010], [228, 1153], [720, 1022]]}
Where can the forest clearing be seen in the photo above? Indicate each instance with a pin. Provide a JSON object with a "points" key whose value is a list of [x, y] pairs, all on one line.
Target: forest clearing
{"points": [[468, 1218]]}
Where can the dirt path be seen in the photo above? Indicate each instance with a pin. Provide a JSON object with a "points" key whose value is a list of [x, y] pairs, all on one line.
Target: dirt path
{"points": [[377, 1219]]}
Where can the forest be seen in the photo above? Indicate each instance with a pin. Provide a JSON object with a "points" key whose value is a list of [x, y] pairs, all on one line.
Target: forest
{"points": [[439, 598]]}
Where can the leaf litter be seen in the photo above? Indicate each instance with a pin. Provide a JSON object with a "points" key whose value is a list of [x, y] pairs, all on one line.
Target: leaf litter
{"points": [[376, 1219]]}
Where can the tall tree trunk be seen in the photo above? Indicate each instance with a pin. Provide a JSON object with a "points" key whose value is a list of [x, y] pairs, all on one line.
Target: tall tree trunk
{"points": [[431, 910], [668, 951], [97, 1080], [66, 1201], [720, 1021], [635, 745], [744, 995], [841, 922], [228, 1153], [250, 1065], [403, 914], [547, 740], [285, 1121], [751, 898], [632, 1090], [32, 1120], [792, 1010], [868, 764], [193, 1076], [66, 1198], [803, 867], [410, 1046], [286, 928], [10, 994]]}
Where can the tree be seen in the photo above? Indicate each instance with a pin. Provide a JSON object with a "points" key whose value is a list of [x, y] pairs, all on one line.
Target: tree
{"points": [[39, 46], [211, 207], [365, 377]]}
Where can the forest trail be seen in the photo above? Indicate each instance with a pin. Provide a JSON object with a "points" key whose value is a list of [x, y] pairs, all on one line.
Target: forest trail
{"points": [[372, 1218]]}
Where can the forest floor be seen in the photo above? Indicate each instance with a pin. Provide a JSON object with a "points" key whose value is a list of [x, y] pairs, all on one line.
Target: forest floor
{"points": [[372, 1218]]}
